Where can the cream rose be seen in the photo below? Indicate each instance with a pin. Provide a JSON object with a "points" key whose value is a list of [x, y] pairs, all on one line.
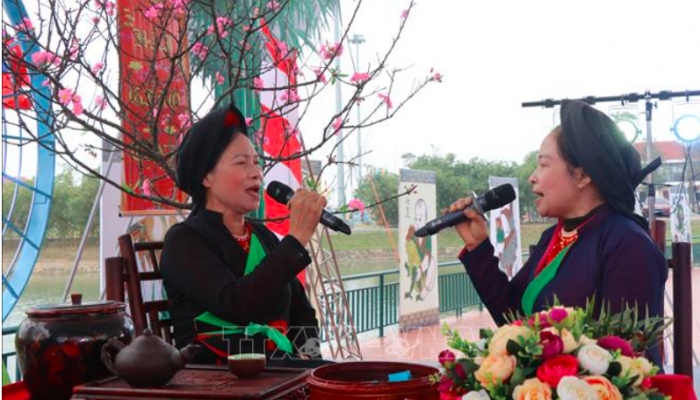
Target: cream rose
{"points": [[495, 369], [643, 365], [594, 358], [605, 389], [572, 388], [630, 369], [498, 343], [476, 395], [532, 389], [583, 340], [569, 341]]}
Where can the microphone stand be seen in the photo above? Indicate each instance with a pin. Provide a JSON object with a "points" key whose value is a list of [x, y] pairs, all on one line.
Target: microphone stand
{"points": [[631, 98]]}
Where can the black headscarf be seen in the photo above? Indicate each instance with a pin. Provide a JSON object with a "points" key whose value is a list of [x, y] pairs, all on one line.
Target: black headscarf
{"points": [[201, 148], [602, 150]]}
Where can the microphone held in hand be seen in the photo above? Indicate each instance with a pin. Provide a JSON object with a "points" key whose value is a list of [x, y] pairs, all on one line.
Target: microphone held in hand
{"points": [[283, 193], [494, 198]]}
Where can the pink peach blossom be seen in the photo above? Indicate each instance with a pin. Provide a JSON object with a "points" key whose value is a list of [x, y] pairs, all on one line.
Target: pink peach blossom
{"points": [[320, 75], [65, 96], [404, 14], [359, 77], [337, 124], [97, 68], [386, 99], [100, 102], [151, 13]]}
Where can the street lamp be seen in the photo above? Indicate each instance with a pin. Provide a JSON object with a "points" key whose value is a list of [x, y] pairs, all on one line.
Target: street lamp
{"points": [[357, 40]]}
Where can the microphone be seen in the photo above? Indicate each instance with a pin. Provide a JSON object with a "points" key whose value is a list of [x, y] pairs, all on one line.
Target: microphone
{"points": [[283, 193], [495, 198]]}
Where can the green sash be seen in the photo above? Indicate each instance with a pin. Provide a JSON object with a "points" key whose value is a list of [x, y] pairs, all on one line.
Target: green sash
{"points": [[255, 256], [541, 280]]}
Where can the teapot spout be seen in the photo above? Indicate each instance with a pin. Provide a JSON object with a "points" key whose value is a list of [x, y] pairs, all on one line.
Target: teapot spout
{"points": [[185, 355]]}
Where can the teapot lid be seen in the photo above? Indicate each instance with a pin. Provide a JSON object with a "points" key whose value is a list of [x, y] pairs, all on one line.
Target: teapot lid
{"points": [[92, 307]]}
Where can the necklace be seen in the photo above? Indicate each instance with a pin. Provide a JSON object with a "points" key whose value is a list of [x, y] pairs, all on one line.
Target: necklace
{"points": [[244, 241]]}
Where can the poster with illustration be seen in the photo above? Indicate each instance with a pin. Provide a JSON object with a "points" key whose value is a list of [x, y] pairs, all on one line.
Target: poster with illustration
{"points": [[505, 230], [419, 303], [680, 216]]}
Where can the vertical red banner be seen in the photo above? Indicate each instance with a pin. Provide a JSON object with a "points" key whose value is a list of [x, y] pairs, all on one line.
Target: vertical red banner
{"points": [[153, 79]]}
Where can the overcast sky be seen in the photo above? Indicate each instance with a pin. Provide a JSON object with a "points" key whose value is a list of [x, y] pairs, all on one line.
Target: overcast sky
{"points": [[494, 55]]}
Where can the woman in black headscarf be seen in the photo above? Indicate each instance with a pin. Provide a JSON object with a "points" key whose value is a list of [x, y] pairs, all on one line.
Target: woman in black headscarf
{"points": [[599, 249], [230, 282]]}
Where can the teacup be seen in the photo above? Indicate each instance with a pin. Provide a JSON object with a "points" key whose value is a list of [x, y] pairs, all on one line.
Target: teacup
{"points": [[246, 365]]}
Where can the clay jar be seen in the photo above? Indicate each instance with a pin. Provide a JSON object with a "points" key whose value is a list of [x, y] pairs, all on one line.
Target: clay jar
{"points": [[58, 346], [369, 380]]}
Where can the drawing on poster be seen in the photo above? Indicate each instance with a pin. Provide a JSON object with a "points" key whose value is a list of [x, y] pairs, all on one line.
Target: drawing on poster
{"points": [[421, 266]]}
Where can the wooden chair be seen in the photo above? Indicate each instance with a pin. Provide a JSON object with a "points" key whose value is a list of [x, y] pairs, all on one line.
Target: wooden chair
{"points": [[125, 281], [681, 264]]}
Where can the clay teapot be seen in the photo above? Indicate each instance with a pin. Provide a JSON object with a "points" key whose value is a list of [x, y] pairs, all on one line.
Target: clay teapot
{"points": [[148, 362]]}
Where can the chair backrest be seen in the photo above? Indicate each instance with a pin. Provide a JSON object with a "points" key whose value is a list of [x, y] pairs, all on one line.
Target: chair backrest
{"points": [[140, 265], [680, 264]]}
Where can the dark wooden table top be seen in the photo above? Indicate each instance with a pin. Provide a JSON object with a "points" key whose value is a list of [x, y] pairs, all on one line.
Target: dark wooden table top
{"points": [[205, 382]]}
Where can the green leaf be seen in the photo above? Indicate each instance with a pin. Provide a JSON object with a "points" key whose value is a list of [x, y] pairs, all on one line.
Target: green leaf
{"points": [[614, 368], [518, 377], [469, 366], [512, 347]]}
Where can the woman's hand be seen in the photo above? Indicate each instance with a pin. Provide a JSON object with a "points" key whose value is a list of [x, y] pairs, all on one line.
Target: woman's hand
{"points": [[473, 231], [305, 209]]}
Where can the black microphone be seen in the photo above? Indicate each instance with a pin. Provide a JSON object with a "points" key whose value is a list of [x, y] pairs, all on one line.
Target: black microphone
{"points": [[494, 198], [283, 193]]}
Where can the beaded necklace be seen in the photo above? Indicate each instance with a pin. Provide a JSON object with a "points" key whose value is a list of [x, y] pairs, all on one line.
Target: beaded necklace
{"points": [[244, 241]]}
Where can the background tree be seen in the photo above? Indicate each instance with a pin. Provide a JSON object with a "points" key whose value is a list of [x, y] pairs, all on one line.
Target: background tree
{"points": [[16, 212], [72, 201], [454, 178], [527, 198], [386, 185]]}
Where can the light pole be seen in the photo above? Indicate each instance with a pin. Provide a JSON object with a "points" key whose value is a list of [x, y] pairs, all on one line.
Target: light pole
{"points": [[338, 108], [357, 40]]}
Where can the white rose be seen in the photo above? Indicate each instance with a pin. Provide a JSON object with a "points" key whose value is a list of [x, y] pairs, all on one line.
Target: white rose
{"points": [[474, 395], [594, 358], [572, 388]]}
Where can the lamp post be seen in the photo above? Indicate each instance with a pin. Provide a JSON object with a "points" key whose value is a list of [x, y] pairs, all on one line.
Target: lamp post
{"points": [[357, 40], [687, 129], [339, 108]]}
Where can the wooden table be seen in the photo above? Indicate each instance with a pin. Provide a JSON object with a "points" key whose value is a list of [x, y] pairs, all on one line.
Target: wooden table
{"points": [[205, 382]]}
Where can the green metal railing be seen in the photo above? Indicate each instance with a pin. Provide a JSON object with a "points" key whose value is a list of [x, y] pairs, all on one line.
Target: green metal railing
{"points": [[8, 333], [375, 305]]}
